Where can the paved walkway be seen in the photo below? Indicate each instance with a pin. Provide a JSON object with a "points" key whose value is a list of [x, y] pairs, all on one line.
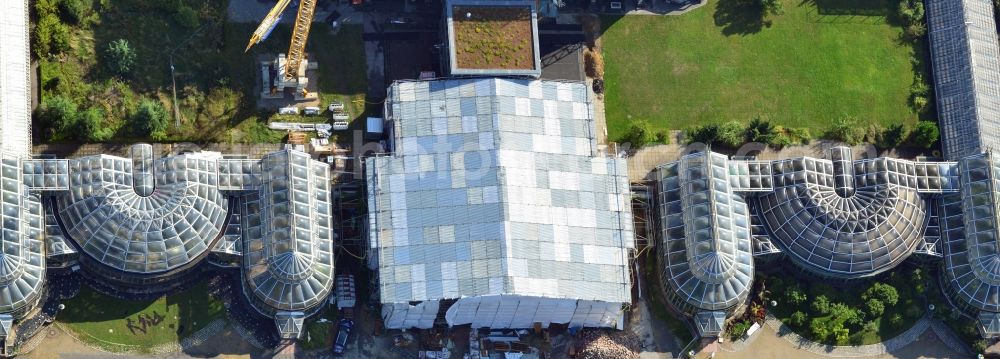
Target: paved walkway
{"points": [[927, 338], [642, 163]]}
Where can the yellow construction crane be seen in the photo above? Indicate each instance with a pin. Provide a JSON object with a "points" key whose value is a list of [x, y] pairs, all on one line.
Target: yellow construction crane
{"points": [[300, 33]]}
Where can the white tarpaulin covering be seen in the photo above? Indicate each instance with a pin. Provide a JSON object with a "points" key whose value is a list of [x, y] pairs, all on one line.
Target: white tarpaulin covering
{"points": [[514, 311], [403, 315]]}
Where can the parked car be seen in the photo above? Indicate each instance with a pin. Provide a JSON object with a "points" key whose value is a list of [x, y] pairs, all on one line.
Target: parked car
{"points": [[311, 111], [403, 20], [336, 107], [340, 125], [289, 110], [343, 331]]}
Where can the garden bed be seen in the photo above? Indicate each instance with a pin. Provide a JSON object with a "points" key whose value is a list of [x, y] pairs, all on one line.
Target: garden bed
{"points": [[842, 315]]}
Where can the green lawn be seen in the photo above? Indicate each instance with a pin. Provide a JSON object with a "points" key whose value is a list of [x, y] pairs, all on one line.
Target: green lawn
{"points": [[103, 320], [911, 305], [720, 63]]}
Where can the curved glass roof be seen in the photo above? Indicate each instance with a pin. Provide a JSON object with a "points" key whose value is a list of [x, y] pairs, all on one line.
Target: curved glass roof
{"points": [[841, 231], [141, 216], [288, 244], [706, 233], [972, 260], [22, 262]]}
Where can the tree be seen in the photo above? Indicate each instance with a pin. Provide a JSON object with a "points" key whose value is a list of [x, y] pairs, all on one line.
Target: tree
{"points": [[639, 134], [91, 124], [150, 118], [762, 131], [841, 313], [883, 292], [892, 137], [797, 319], [821, 305], [120, 56], [875, 308], [59, 112], [925, 134]]}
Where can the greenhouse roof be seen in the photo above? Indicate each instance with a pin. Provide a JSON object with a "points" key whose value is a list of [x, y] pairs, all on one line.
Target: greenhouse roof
{"points": [[706, 233], [966, 58], [496, 187]]}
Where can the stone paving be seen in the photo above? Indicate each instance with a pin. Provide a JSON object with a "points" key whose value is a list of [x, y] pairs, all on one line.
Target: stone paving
{"points": [[644, 161]]}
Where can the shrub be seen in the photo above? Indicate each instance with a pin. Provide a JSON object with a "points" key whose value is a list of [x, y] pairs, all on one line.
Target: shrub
{"points": [[925, 135], [639, 134], [794, 295], [821, 305], [819, 328], [150, 118], [917, 280], [593, 63], [845, 130], [761, 130], [91, 126], [120, 56], [875, 307], [800, 135], [45, 8], [781, 140], [738, 329], [50, 36], [797, 319], [731, 134], [59, 112], [892, 137], [75, 10], [841, 313], [896, 320], [979, 346], [704, 134], [187, 17], [663, 136], [773, 7], [882, 292], [841, 335]]}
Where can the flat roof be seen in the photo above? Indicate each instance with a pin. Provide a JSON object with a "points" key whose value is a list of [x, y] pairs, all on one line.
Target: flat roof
{"points": [[493, 38]]}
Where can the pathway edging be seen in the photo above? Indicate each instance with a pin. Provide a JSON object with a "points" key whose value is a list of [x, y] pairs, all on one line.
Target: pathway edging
{"points": [[849, 351]]}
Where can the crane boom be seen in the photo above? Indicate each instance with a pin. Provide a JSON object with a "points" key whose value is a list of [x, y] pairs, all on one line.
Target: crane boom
{"points": [[268, 24], [300, 33]]}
